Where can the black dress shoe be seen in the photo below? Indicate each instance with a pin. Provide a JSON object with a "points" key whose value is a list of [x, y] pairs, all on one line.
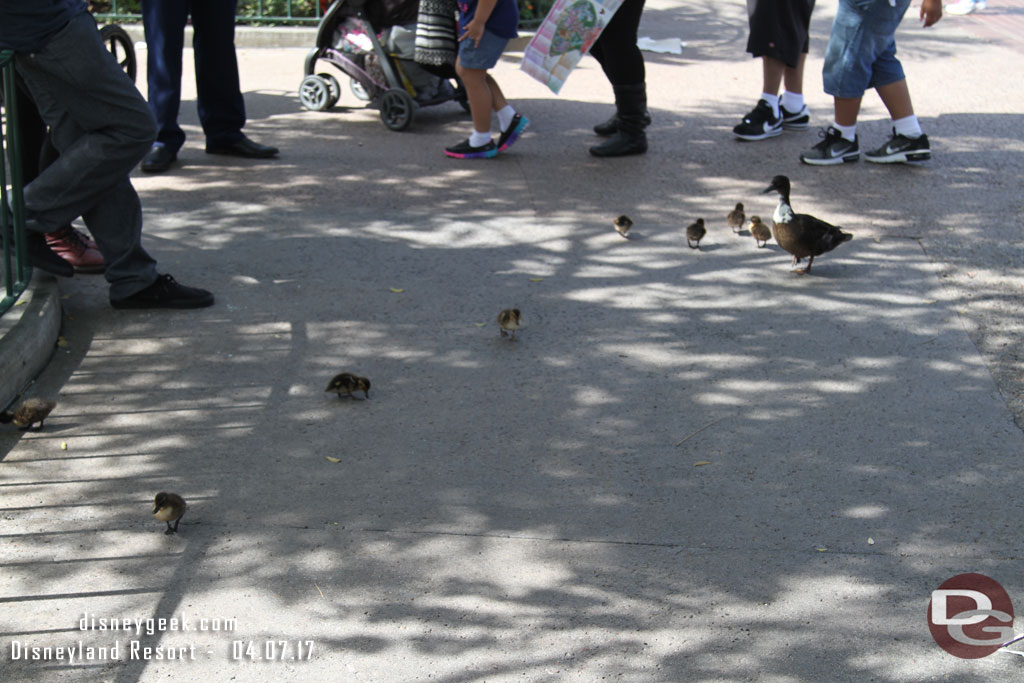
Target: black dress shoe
{"points": [[243, 147], [159, 159], [39, 253], [166, 293]]}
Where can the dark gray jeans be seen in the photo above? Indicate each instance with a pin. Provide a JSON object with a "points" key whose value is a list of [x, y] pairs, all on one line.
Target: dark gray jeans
{"points": [[102, 127]]}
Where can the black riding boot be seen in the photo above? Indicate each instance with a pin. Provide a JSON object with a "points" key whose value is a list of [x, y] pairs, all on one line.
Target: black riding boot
{"points": [[610, 126], [631, 112]]}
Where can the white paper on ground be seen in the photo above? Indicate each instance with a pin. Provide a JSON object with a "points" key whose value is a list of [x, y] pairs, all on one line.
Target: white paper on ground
{"points": [[672, 46]]}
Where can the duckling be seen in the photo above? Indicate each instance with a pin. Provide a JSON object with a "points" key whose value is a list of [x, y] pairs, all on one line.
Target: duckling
{"points": [[345, 383], [509, 321], [30, 411], [622, 224], [798, 233], [169, 507], [736, 217], [761, 232], [695, 233]]}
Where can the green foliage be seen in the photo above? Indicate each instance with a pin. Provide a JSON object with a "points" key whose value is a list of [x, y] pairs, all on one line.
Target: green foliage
{"points": [[532, 12]]}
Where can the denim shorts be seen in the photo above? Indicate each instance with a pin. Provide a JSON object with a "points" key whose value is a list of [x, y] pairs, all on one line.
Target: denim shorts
{"points": [[861, 52], [484, 56]]}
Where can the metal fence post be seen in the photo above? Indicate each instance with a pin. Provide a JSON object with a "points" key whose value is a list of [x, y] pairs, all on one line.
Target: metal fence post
{"points": [[12, 202]]}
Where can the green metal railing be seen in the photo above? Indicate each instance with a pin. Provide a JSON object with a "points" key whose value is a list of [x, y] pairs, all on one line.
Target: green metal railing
{"points": [[249, 11], [302, 12], [17, 271]]}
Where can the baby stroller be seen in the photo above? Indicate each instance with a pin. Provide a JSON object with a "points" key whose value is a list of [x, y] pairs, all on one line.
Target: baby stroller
{"points": [[372, 42]]}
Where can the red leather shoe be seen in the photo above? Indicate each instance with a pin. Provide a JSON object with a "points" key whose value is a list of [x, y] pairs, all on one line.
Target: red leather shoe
{"points": [[85, 237], [76, 249]]}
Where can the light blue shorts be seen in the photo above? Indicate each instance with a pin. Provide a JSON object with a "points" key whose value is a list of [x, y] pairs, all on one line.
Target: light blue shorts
{"points": [[486, 55], [861, 52]]}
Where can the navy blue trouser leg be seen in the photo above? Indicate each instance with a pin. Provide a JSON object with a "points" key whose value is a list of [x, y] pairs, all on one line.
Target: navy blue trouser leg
{"points": [[164, 22], [221, 107]]}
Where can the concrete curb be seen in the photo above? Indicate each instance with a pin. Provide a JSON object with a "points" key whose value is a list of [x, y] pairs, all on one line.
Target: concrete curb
{"points": [[28, 333], [249, 36]]}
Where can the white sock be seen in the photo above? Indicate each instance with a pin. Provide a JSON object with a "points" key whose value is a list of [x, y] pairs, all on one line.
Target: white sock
{"points": [[505, 116], [908, 127], [848, 132], [478, 139], [792, 102], [773, 102]]}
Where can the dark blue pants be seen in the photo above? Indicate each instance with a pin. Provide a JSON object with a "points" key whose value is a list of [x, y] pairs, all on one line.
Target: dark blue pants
{"points": [[221, 107]]}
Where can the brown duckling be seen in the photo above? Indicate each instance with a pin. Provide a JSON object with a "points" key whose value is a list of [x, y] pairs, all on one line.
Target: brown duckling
{"points": [[761, 232], [30, 411], [169, 507], [509, 321], [801, 235], [736, 217], [695, 233], [345, 383], [622, 224]]}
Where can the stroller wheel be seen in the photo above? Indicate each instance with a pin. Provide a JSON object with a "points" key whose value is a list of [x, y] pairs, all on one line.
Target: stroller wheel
{"points": [[121, 46], [396, 108], [315, 93], [333, 86], [358, 90]]}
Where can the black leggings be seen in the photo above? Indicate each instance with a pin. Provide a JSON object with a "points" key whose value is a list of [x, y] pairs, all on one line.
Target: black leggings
{"points": [[616, 49]]}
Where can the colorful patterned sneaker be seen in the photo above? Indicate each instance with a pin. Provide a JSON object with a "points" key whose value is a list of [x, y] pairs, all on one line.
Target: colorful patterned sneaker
{"points": [[759, 124], [800, 120], [900, 149], [832, 150], [74, 247], [516, 126], [464, 150]]}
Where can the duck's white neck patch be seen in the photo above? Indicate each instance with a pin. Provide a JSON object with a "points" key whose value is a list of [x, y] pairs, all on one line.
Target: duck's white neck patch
{"points": [[783, 212]]}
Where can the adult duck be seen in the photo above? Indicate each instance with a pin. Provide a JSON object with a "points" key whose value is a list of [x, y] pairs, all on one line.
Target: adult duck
{"points": [[801, 235]]}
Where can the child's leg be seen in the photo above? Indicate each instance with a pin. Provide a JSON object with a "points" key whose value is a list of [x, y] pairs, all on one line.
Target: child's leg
{"points": [[792, 99], [498, 101], [793, 77], [772, 71], [847, 109], [478, 93], [896, 98]]}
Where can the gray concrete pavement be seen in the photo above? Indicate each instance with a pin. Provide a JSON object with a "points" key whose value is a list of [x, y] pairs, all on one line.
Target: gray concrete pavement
{"points": [[535, 510]]}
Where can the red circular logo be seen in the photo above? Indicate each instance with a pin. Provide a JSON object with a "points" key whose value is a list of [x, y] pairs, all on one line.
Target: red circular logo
{"points": [[970, 616]]}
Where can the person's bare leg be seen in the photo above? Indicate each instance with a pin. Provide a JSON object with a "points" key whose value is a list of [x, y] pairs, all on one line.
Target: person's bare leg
{"points": [[478, 92], [847, 109], [793, 77], [772, 72], [896, 98], [498, 101]]}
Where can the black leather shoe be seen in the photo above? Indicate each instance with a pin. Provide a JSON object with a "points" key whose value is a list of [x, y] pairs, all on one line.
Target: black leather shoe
{"points": [[243, 147], [159, 159], [166, 293], [39, 253]]}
